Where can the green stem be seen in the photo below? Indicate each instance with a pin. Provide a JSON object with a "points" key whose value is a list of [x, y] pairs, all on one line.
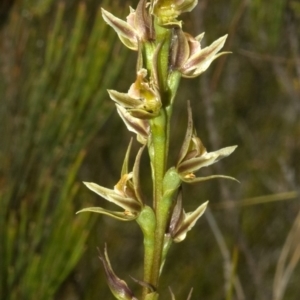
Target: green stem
{"points": [[147, 222], [158, 164], [163, 36], [159, 143], [157, 150]]}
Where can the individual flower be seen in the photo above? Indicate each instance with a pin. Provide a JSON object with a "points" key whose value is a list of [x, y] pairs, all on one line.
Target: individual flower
{"points": [[139, 126], [182, 222], [126, 193], [189, 58], [143, 98], [193, 155], [168, 10], [138, 26], [118, 287]]}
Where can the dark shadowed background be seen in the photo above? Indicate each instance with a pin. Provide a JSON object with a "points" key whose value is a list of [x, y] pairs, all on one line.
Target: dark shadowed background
{"points": [[59, 128]]}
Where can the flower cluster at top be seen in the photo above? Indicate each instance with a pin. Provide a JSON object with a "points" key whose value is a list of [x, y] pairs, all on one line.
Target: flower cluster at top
{"points": [[186, 56]]}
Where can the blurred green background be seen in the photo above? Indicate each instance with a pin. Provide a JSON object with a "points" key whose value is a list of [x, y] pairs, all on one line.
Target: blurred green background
{"points": [[59, 128]]}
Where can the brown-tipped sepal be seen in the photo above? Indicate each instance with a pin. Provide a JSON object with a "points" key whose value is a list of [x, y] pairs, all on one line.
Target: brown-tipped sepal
{"points": [[180, 49], [143, 22], [182, 222], [142, 100], [118, 287], [137, 28], [193, 155], [140, 127], [125, 30]]}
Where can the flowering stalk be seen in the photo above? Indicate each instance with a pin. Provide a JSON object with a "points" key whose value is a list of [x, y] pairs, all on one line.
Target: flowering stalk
{"points": [[165, 54]]}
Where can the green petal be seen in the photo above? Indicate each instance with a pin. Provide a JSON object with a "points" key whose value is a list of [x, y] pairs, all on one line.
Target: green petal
{"points": [[127, 204], [122, 216], [188, 135], [142, 114], [172, 294], [126, 159], [205, 160], [136, 176], [199, 37], [200, 179], [187, 5], [124, 99], [129, 43], [152, 296]]}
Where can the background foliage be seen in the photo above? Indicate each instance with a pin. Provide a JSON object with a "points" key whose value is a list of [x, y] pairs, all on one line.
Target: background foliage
{"points": [[57, 58]]}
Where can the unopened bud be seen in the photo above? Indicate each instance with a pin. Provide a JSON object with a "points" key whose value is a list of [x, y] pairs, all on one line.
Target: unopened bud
{"points": [[117, 286], [182, 222]]}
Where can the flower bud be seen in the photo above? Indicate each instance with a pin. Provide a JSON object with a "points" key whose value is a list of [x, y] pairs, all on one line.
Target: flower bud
{"points": [[117, 286], [182, 222]]}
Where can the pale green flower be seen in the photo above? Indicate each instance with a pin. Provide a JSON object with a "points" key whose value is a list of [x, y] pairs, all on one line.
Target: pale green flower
{"points": [[194, 156], [189, 58], [143, 98], [126, 193]]}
